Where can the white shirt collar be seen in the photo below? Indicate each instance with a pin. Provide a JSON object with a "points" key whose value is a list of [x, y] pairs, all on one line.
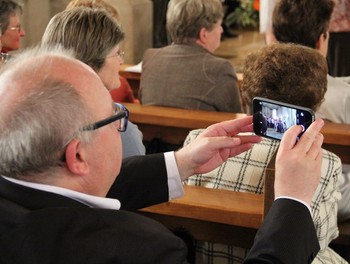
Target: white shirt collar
{"points": [[89, 200]]}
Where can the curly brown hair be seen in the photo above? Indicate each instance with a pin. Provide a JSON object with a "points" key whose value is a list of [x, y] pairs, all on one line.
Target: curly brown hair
{"points": [[288, 73]]}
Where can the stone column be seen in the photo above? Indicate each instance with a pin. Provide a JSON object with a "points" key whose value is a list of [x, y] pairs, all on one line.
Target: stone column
{"points": [[36, 15], [136, 17]]}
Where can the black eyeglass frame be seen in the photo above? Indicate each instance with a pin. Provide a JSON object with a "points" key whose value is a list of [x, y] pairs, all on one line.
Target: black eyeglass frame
{"points": [[124, 114]]}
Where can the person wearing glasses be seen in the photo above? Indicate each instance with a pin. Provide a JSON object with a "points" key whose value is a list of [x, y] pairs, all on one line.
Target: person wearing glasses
{"points": [[11, 30], [60, 152], [73, 29], [123, 93]]}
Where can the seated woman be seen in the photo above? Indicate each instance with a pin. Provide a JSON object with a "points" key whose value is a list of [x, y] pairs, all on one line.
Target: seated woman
{"points": [[295, 75], [124, 92], [11, 30], [72, 29], [186, 74]]}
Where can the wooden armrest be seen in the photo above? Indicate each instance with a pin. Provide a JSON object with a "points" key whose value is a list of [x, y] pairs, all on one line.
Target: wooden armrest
{"points": [[214, 205], [337, 140]]}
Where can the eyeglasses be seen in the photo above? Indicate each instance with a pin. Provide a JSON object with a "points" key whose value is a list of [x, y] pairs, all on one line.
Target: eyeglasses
{"points": [[17, 28], [120, 113], [119, 53], [4, 57]]}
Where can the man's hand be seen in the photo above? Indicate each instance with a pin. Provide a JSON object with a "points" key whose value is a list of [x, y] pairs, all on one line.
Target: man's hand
{"points": [[214, 146], [298, 165]]}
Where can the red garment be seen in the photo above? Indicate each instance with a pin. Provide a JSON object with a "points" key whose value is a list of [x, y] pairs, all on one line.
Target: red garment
{"points": [[124, 93]]}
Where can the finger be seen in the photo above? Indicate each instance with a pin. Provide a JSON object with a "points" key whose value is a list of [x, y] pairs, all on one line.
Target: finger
{"points": [[289, 138], [230, 127], [217, 143], [309, 136], [240, 149], [249, 139], [315, 148]]}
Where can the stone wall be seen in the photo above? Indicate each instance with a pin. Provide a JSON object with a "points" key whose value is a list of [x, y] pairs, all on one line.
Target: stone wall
{"points": [[136, 17]]}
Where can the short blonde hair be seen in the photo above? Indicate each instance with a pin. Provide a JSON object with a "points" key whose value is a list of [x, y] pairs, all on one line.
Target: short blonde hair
{"points": [[91, 32]]}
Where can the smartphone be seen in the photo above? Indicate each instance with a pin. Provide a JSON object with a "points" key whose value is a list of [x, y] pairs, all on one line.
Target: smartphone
{"points": [[272, 118]]}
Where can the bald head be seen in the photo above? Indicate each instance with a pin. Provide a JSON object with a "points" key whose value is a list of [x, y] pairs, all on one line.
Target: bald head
{"points": [[27, 72], [46, 97]]}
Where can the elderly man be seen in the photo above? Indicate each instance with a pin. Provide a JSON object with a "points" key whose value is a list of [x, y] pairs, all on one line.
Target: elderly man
{"points": [[60, 154]]}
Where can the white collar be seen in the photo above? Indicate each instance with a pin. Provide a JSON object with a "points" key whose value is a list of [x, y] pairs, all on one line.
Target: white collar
{"points": [[89, 200]]}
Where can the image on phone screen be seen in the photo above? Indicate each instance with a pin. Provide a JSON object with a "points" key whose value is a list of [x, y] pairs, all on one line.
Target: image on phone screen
{"points": [[273, 118]]}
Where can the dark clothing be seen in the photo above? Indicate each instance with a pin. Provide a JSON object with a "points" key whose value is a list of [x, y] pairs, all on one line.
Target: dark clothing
{"points": [[338, 55], [43, 227], [287, 236]]}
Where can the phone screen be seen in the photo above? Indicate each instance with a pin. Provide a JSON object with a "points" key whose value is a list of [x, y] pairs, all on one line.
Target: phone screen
{"points": [[272, 118]]}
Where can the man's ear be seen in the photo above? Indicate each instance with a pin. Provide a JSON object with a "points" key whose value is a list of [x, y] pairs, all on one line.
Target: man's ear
{"points": [[321, 41], [76, 158], [203, 35]]}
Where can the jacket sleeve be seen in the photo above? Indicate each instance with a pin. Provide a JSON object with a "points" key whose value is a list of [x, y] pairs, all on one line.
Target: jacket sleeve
{"points": [[287, 235], [142, 182]]}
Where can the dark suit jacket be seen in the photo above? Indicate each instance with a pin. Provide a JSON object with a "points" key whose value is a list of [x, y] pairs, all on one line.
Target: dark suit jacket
{"points": [[287, 236], [42, 227]]}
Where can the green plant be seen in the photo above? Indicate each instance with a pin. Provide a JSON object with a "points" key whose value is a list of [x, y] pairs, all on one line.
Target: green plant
{"points": [[244, 16]]}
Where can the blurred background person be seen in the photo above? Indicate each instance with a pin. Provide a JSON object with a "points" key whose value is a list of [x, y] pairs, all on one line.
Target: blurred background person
{"points": [[75, 27], [11, 29], [186, 74], [123, 93]]}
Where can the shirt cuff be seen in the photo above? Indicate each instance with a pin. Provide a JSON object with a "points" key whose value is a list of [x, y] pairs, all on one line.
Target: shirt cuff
{"points": [[300, 201], [174, 181]]}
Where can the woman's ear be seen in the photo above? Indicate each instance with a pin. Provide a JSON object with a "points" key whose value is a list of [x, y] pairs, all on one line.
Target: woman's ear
{"points": [[76, 158], [203, 35]]}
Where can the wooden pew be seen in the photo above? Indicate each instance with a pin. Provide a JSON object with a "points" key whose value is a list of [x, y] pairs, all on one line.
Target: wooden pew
{"points": [[217, 215], [337, 140], [172, 125]]}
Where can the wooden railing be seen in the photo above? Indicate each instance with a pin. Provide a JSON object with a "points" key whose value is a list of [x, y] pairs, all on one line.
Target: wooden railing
{"points": [[172, 125]]}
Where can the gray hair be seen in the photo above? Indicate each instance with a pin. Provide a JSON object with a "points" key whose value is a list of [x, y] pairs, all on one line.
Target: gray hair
{"points": [[91, 32], [37, 125], [185, 18], [7, 8]]}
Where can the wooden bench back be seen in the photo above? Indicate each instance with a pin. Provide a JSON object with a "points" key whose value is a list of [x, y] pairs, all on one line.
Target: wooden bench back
{"points": [[172, 125]]}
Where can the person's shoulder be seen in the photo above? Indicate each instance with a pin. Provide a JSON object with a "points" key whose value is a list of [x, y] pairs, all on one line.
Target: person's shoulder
{"points": [[338, 84], [218, 64], [149, 53]]}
